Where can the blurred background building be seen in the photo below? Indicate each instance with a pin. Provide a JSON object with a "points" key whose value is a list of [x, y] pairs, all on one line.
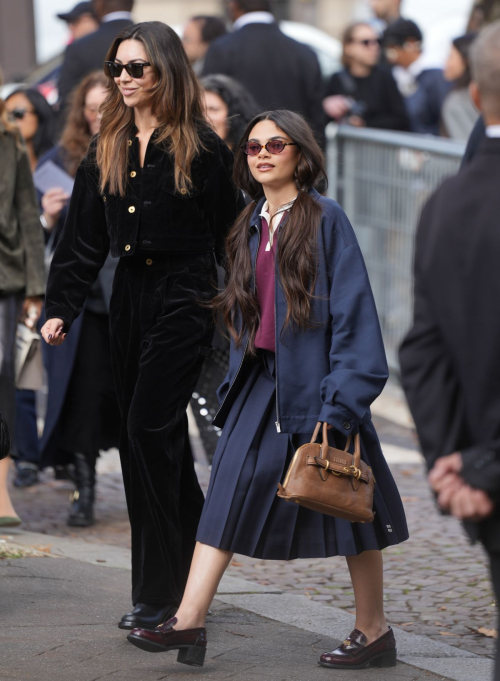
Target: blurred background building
{"points": [[31, 34]]}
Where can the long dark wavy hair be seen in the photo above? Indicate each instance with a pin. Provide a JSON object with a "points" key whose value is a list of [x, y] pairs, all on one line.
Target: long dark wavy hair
{"points": [[176, 101], [297, 243]]}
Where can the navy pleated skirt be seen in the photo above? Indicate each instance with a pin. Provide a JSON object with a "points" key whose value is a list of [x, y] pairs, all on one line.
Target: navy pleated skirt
{"points": [[242, 513]]}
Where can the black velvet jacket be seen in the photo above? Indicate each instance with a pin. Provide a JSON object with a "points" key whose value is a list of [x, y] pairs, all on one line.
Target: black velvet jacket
{"points": [[152, 216]]}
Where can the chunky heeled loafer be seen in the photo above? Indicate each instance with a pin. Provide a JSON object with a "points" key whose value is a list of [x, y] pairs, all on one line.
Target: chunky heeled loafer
{"points": [[354, 653], [191, 643]]}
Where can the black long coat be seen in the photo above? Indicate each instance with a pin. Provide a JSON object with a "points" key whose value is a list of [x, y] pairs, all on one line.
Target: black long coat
{"points": [[279, 72], [450, 359]]}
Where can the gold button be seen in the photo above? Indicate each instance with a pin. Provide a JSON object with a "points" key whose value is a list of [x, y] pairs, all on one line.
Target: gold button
{"points": [[133, 173], [184, 191], [149, 261], [131, 209], [130, 143], [104, 198], [127, 247]]}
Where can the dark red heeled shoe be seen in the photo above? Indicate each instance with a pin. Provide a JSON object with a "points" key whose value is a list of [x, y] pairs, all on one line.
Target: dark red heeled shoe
{"points": [[355, 653], [191, 643]]}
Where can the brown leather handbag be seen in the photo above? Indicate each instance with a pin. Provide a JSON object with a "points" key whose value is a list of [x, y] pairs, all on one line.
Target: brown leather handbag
{"points": [[330, 481]]}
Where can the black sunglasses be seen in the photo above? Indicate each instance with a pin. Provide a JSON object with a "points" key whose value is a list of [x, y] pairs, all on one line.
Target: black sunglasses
{"points": [[19, 114], [368, 42], [135, 70], [273, 147]]}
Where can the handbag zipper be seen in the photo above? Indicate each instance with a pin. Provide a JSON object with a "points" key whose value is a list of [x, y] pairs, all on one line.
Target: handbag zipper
{"points": [[247, 343]]}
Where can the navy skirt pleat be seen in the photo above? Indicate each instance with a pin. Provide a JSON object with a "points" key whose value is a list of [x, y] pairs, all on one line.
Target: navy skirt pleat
{"points": [[242, 513]]}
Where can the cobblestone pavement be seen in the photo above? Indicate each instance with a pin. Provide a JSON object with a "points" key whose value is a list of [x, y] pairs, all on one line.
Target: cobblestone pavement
{"points": [[436, 584]]}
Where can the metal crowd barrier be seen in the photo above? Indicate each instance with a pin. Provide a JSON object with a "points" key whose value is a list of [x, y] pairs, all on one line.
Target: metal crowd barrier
{"points": [[382, 179]]}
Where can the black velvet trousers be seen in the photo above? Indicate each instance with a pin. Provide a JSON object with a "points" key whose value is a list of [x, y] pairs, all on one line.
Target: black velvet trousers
{"points": [[160, 333]]}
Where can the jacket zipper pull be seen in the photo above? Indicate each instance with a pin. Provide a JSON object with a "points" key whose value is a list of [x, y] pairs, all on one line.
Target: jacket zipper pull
{"points": [[278, 427]]}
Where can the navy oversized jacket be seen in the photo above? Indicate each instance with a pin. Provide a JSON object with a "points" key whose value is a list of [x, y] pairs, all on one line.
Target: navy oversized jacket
{"points": [[333, 371]]}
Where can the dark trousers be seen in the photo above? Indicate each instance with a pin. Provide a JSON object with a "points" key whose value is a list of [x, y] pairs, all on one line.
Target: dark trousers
{"points": [[495, 578], [26, 432], [160, 333], [10, 308]]}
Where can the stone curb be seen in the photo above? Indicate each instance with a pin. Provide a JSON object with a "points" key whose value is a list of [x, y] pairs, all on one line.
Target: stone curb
{"points": [[296, 610]]}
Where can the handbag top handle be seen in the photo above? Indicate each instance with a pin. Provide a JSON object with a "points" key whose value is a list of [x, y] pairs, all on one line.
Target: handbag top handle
{"points": [[357, 444]]}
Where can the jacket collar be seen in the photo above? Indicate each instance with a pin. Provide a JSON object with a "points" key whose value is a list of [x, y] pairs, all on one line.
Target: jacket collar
{"points": [[255, 219]]}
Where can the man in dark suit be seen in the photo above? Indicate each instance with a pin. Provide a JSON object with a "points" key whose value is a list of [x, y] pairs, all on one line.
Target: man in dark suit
{"points": [[450, 359], [88, 53], [279, 72]]}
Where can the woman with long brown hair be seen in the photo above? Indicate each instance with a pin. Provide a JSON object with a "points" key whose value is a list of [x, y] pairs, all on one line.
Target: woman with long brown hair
{"points": [[305, 348], [156, 190]]}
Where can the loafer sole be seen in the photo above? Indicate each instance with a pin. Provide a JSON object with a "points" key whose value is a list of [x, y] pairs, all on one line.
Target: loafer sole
{"points": [[149, 646], [137, 625], [186, 654], [385, 659]]}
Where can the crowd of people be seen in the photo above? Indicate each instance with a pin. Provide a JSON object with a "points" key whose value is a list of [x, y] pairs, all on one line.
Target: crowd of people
{"points": [[166, 159]]}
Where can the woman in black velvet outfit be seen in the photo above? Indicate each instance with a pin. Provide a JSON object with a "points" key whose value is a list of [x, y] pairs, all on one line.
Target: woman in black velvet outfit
{"points": [[155, 189]]}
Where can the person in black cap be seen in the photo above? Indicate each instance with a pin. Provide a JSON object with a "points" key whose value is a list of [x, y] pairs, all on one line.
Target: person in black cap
{"points": [[424, 89], [81, 20]]}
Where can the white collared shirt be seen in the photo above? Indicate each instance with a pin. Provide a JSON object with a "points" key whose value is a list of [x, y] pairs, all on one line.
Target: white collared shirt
{"points": [[493, 131], [253, 18], [275, 222], [114, 16]]}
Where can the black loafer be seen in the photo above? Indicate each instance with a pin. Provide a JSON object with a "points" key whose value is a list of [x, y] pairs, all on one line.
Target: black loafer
{"points": [[27, 475], [145, 616]]}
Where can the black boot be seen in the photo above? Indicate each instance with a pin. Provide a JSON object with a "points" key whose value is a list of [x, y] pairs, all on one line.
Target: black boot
{"points": [[82, 507]]}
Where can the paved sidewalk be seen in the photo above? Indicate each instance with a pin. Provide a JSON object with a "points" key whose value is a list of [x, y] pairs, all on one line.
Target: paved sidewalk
{"points": [[436, 584], [59, 622]]}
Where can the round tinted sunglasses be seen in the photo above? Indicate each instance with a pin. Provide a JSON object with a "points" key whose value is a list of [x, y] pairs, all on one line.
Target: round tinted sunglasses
{"points": [[135, 70], [273, 147]]}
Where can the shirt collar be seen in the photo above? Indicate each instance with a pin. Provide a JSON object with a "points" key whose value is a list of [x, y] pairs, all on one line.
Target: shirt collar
{"points": [[114, 16], [493, 131], [253, 18], [276, 221]]}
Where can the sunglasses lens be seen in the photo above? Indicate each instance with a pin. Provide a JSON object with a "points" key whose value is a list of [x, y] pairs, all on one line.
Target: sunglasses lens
{"points": [[135, 70], [18, 113], [252, 149], [275, 147], [114, 69]]}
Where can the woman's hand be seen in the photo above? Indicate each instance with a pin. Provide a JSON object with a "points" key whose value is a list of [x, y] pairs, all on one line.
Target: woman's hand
{"points": [[53, 203], [336, 106], [32, 309], [52, 331]]}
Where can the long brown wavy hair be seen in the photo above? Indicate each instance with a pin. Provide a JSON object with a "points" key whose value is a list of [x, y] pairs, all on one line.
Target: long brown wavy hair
{"points": [[297, 243], [176, 101], [76, 135]]}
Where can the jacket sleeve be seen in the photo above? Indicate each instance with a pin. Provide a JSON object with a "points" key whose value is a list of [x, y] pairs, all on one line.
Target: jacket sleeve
{"points": [[81, 250], [427, 375], [357, 358], [481, 468], [30, 227]]}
